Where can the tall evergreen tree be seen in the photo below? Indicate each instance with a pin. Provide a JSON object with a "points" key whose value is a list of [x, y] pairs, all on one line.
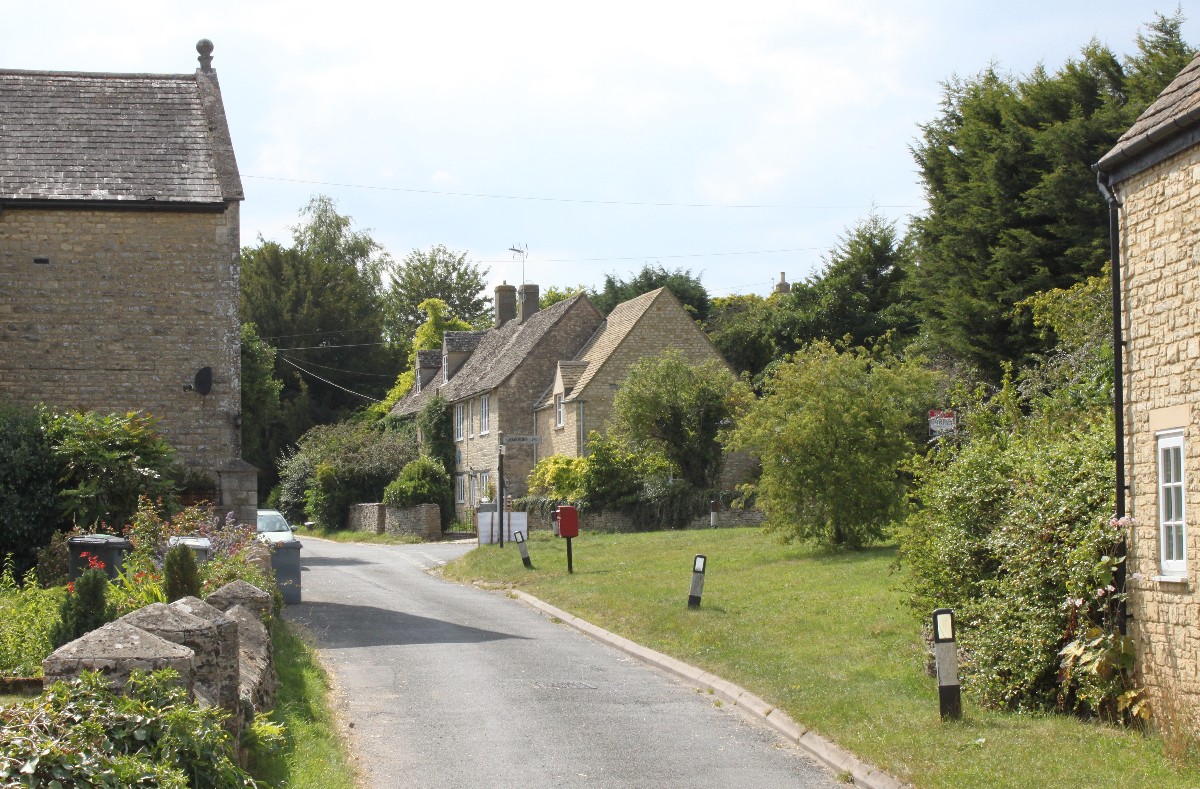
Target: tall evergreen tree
{"points": [[1013, 207]]}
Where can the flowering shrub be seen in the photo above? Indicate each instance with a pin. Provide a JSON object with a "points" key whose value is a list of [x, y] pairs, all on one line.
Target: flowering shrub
{"points": [[143, 579]]}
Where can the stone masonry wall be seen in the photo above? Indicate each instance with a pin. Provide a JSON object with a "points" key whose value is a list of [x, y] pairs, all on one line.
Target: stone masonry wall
{"points": [[128, 307], [1161, 239]]}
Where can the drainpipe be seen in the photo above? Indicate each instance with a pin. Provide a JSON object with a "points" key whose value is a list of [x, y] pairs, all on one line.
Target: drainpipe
{"points": [[1103, 181], [1114, 239]]}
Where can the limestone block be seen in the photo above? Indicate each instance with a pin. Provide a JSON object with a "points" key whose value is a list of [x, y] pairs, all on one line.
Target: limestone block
{"points": [[241, 593], [256, 662], [116, 650]]}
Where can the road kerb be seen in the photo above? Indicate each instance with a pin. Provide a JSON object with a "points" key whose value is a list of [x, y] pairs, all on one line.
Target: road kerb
{"points": [[823, 750]]}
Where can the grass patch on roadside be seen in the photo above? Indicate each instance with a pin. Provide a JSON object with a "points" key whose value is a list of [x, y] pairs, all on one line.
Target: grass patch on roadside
{"points": [[824, 636], [314, 754]]}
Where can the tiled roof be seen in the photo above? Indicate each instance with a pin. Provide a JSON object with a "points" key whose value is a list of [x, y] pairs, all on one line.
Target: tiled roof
{"points": [[150, 138], [1176, 110], [607, 338], [426, 359], [461, 341], [498, 354], [570, 371]]}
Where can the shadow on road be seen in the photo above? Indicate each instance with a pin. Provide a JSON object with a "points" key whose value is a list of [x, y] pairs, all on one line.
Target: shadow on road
{"points": [[341, 626], [330, 561]]}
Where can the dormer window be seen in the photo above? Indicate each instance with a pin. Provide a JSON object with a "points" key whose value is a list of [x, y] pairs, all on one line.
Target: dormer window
{"points": [[445, 367], [559, 419]]}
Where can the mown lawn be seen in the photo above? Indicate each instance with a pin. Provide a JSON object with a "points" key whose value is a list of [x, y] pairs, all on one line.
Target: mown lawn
{"points": [[826, 637]]}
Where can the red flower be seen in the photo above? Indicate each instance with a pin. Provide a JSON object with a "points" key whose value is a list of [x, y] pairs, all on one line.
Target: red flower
{"points": [[71, 587]]}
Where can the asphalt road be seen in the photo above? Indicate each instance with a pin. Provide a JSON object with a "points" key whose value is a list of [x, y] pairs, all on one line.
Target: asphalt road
{"points": [[449, 686]]}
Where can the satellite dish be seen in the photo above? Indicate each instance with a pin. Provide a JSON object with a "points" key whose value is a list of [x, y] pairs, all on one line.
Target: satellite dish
{"points": [[202, 383]]}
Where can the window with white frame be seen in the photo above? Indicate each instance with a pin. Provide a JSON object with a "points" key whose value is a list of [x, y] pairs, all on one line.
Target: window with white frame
{"points": [[460, 489], [559, 418], [458, 421], [483, 484], [485, 414], [1172, 525], [470, 419], [445, 368]]}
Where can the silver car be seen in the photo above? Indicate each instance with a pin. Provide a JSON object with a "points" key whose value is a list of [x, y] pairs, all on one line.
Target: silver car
{"points": [[273, 527]]}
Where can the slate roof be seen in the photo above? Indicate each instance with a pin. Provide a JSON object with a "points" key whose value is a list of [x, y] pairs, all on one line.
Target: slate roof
{"points": [[1174, 114], [607, 339], [496, 357], [427, 359], [149, 139], [462, 341]]}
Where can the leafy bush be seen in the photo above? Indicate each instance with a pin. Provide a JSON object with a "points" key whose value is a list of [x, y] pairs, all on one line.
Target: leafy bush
{"points": [[423, 481], [28, 614], [107, 462], [832, 430], [81, 733], [433, 425], [181, 576], [558, 477], [29, 512], [336, 466], [1014, 533]]}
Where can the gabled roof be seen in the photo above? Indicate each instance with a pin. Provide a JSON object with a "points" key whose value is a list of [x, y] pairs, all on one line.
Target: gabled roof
{"points": [[1169, 125], [462, 341], [607, 339], [498, 354], [427, 359], [568, 374], [148, 139]]}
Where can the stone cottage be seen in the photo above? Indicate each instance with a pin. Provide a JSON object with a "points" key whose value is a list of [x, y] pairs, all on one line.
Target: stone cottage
{"points": [[119, 242], [580, 399], [551, 373], [1152, 180]]}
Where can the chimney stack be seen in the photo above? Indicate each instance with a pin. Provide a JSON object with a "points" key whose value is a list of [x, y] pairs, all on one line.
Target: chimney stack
{"points": [[506, 304], [529, 301], [782, 286]]}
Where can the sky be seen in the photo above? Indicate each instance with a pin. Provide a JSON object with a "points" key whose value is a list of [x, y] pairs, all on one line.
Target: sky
{"points": [[738, 140]]}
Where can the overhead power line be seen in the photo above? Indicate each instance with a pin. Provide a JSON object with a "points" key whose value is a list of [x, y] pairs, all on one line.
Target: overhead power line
{"points": [[671, 257], [339, 369], [331, 383]]}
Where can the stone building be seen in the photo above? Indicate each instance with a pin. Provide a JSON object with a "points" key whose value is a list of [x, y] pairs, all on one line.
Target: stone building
{"points": [[1152, 177], [551, 374], [119, 242], [580, 399]]}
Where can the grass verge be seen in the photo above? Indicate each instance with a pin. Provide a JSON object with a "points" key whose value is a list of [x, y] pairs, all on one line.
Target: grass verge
{"points": [[313, 755], [342, 535], [824, 636]]}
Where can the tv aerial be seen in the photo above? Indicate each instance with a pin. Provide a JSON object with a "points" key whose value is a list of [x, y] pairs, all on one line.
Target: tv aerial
{"points": [[522, 251]]}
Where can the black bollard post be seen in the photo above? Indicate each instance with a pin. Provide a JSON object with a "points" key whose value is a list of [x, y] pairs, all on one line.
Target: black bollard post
{"points": [[945, 656], [697, 580]]}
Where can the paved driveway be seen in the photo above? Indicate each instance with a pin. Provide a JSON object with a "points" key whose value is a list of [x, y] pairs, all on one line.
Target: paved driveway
{"points": [[448, 686]]}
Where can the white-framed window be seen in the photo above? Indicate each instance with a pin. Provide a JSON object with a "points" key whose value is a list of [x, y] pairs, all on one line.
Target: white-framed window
{"points": [[484, 477], [445, 368], [460, 489], [485, 414], [1172, 523], [559, 416], [458, 421], [470, 420]]}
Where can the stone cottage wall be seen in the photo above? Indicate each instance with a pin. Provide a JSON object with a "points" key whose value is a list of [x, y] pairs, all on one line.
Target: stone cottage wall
{"points": [[1161, 238], [116, 311]]}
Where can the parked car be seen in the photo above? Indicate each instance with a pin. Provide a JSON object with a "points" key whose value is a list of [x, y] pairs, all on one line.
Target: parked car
{"points": [[273, 527]]}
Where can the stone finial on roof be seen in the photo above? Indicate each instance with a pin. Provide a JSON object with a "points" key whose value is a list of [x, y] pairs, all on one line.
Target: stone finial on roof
{"points": [[205, 48]]}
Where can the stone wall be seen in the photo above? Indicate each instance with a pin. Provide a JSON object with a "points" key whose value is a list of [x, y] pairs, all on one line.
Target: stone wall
{"points": [[116, 311], [424, 520], [1161, 239]]}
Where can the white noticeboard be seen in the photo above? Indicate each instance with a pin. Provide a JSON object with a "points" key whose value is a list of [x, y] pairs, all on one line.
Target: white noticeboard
{"points": [[487, 526]]}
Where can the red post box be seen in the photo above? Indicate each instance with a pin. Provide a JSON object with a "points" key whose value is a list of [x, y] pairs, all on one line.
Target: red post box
{"points": [[568, 521]]}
